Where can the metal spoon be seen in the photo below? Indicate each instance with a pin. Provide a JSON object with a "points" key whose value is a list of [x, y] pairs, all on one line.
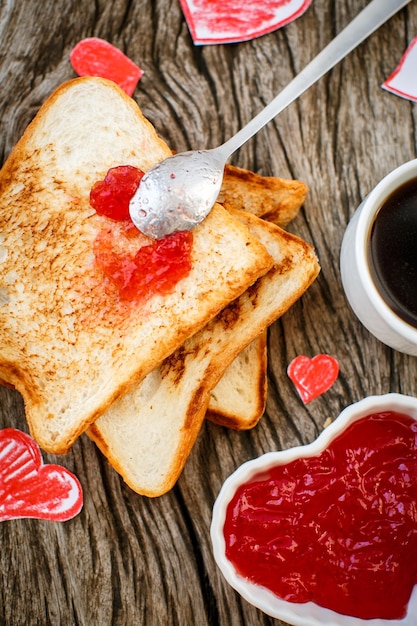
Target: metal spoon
{"points": [[180, 191]]}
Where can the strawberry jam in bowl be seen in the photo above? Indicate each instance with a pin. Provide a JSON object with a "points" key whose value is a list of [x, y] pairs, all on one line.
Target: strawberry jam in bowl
{"points": [[326, 534]]}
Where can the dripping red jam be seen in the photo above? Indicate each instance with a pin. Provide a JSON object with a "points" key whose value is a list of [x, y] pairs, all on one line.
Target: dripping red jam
{"points": [[136, 269], [338, 529]]}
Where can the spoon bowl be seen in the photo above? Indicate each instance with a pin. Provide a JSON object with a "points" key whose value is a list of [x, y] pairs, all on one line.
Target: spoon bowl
{"points": [[180, 191]]}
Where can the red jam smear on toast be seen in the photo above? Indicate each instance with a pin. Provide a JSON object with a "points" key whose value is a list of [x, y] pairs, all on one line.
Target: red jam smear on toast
{"points": [[110, 197], [154, 268], [338, 529]]}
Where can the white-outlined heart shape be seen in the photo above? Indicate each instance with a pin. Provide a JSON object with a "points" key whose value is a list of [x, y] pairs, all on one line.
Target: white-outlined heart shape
{"points": [[28, 488], [307, 613], [228, 21], [403, 80]]}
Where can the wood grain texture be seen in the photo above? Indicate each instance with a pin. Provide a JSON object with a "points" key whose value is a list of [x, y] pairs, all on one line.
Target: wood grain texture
{"points": [[128, 560]]}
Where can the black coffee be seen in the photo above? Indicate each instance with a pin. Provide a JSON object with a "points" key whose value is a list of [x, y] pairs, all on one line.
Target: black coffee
{"points": [[393, 251]]}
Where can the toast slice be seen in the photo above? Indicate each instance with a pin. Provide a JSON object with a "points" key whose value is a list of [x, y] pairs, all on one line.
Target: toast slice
{"points": [[68, 343], [239, 398], [147, 436], [277, 200]]}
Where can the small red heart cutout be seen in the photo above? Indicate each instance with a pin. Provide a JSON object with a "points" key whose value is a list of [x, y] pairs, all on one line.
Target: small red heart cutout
{"points": [[28, 488], [97, 57], [312, 377], [230, 21]]}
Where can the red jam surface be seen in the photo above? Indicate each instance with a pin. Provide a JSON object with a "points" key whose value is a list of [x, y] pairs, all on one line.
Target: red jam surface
{"points": [[139, 271], [155, 269], [339, 528], [111, 196]]}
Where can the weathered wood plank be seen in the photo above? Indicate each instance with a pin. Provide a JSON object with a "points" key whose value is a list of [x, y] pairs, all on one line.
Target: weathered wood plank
{"points": [[127, 559]]}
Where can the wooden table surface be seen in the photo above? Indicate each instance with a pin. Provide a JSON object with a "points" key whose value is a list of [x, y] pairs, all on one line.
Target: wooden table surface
{"points": [[127, 559]]}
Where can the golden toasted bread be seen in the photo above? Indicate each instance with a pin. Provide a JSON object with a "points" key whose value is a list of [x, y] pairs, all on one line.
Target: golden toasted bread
{"points": [[147, 436], [239, 398], [275, 199], [68, 343]]}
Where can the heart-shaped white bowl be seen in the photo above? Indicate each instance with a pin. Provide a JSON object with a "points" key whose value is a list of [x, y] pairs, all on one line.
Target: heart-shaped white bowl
{"points": [[309, 613]]}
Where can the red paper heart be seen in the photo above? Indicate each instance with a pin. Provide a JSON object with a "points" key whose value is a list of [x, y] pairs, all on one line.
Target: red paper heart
{"points": [[96, 57], [28, 488], [227, 21], [312, 377]]}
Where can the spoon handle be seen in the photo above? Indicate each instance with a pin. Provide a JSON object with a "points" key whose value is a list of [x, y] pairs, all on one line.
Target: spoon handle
{"points": [[369, 19]]}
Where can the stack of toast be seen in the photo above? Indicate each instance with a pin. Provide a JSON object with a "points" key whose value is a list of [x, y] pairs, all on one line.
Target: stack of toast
{"points": [[138, 378]]}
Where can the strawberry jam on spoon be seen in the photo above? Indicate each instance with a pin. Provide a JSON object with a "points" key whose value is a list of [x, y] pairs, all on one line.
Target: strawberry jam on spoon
{"points": [[153, 268]]}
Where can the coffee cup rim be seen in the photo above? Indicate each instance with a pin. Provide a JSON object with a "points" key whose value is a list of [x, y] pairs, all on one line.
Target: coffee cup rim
{"points": [[369, 209]]}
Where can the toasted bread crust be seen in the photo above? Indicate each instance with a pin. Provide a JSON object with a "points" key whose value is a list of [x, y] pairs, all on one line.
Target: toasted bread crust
{"points": [[239, 398], [149, 434], [275, 199], [68, 347]]}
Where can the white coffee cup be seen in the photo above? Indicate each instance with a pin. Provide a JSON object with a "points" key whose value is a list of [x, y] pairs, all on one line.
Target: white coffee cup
{"points": [[360, 289]]}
